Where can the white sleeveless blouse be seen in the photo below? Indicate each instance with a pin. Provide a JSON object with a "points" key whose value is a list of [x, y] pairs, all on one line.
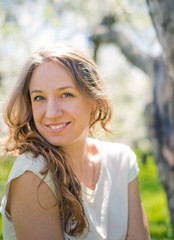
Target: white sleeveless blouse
{"points": [[106, 207]]}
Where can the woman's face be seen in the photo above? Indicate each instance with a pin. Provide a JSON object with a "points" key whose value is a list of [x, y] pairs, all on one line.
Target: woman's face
{"points": [[61, 113]]}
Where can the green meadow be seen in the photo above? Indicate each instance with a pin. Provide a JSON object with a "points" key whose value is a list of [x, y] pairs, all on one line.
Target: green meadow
{"points": [[152, 195], [154, 200]]}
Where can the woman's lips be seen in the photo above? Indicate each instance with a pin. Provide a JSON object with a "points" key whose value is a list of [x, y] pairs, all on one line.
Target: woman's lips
{"points": [[58, 127]]}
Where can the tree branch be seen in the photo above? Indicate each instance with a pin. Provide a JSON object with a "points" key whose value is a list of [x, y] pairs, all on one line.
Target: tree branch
{"points": [[133, 54], [162, 17]]}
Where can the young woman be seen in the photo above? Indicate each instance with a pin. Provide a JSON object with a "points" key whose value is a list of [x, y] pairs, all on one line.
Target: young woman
{"points": [[63, 184]]}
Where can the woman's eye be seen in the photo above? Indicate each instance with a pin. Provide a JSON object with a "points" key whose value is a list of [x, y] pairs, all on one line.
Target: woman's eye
{"points": [[67, 94], [38, 98]]}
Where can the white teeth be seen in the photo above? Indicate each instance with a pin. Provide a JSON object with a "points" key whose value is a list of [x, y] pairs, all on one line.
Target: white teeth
{"points": [[57, 126]]}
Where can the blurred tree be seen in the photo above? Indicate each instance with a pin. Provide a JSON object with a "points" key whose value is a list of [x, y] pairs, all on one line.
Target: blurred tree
{"points": [[11, 35], [159, 113]]}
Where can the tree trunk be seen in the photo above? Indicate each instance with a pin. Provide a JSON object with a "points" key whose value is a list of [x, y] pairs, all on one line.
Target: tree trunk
{"points": [[160, 113], [160, 129], [163, 104]]}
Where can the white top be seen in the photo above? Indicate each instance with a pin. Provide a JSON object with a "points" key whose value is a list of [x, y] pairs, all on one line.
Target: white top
{"points": [[106, 207]]}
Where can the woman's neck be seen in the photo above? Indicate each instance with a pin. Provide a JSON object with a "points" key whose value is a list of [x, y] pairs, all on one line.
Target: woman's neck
{"points": [[85, 161], [77, 153]]}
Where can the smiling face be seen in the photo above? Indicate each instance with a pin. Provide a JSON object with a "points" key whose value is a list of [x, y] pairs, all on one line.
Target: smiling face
{"points": [[61, 113]]}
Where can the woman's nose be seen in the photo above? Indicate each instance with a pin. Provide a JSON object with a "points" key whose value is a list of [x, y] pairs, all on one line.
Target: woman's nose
{"points": [[53, 109]]}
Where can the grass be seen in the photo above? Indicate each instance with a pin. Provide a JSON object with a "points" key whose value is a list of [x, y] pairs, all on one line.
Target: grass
{"points": [[154, 200], [152, 196], [4, 172]]}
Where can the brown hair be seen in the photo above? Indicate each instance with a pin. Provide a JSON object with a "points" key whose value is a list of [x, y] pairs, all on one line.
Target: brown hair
{"points": [[24, 137]]}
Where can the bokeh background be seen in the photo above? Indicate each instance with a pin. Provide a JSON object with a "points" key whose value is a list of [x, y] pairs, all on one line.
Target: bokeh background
{"points": [[26, 25]]}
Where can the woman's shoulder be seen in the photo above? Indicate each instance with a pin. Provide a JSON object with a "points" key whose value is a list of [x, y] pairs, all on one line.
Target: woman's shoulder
{"points": [[27, 158], [116, 153], [113, 148], [26, 162], [120, 157]]}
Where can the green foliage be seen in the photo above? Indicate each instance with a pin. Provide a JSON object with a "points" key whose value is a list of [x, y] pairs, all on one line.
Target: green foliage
{"points": [[152, 196], [154, 200], [5, 167]]}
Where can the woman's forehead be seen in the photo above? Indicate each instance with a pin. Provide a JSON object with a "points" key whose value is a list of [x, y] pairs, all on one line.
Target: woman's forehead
{"points": [[51, 73]]}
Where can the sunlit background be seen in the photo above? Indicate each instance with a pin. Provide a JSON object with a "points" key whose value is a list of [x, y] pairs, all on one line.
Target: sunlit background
{"points": [[26, 25], [29, 25]]}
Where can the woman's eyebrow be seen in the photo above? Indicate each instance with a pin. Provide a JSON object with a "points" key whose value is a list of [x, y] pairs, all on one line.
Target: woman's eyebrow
{"points": [[36, 91], [65, 87]]}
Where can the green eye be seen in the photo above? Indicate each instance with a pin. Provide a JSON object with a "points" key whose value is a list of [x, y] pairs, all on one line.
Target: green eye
{"points": [[39, 98], [67, 94]]}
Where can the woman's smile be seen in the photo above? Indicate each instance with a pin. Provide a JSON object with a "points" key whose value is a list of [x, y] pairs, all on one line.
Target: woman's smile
{"points": [[57, 127]]}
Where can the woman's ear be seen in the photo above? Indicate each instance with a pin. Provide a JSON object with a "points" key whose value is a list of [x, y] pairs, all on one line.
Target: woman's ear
{"points": [[93, 113], [93, 109]]}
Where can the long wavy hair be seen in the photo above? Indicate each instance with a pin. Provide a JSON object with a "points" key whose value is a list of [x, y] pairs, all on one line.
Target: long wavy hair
{"points": [[24, 137]]}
